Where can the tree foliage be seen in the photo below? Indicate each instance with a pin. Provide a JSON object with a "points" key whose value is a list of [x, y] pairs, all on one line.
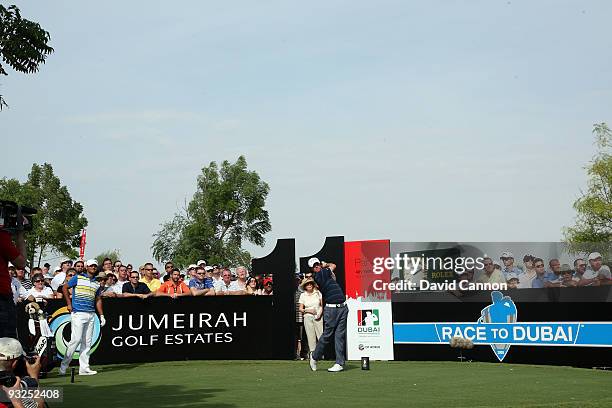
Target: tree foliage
{"points": [[114, 255], [226, 210], [594, 208], [23, 43], [58, 224]]}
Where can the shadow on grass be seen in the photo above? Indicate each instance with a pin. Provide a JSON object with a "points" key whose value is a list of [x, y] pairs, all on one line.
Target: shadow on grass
{"points": [[137, 394], [119, 367]]}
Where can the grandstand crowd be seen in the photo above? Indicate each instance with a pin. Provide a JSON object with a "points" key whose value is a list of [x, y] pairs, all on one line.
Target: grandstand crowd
{"points": [[119, 280], [535, 273], [122, 280]]}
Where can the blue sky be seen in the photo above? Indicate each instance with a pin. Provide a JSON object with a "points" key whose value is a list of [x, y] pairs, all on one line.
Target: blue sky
{"points": [[414, 121]]}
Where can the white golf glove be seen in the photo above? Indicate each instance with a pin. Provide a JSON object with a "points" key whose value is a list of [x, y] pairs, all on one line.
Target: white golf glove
{"points": [[102, 321]]}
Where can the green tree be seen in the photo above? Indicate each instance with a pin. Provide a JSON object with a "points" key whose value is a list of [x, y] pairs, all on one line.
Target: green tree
{"points": [[593, 226], [58, 224], [114, 255], [23, 43], [226, 210]]}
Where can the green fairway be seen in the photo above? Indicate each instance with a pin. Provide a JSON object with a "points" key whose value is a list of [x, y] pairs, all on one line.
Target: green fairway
{"points": [[292, 384]]}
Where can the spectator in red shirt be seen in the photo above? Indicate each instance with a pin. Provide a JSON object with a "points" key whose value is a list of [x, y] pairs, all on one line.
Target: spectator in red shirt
{"points": [[267, 287], [17, 256], [173, 287]]}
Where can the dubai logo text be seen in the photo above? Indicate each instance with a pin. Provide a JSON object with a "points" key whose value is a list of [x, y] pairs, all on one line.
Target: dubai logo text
{"points": [[368, 321]]}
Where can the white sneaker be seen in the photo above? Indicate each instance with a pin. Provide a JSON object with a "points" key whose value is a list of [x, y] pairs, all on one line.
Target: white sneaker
{"points": [[313, 364], [62, 371], [88, 372], [335, 368]]}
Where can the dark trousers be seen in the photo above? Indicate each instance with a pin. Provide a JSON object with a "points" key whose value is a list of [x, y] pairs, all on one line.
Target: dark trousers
{"points": [[8, 317], [334, 325]]}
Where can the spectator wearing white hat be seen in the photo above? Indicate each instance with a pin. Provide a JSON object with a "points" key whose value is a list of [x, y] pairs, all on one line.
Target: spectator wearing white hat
{"points": [[82, 305], [508, 260], [512, 279], [201, 285], [11, 353], [191, 273], [311, 306], [596, 273]]}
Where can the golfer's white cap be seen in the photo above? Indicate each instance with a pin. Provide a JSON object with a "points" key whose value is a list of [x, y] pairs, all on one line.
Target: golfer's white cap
{"points": [[507, 254], [10, 349], [91, 262], [594, 255], [313, 261], [201, 261]]}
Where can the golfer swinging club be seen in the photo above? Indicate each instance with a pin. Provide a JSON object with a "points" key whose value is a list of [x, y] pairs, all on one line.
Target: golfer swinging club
{"points": [[82, 308], [334, 315]]}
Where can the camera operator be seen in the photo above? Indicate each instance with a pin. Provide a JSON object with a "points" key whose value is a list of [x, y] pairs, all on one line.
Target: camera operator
{"points": [[11, 379], [16, 255]]}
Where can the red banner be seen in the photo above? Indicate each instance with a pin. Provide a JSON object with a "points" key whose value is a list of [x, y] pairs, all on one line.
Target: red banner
{"points": [[83, 243], [358, 265]]}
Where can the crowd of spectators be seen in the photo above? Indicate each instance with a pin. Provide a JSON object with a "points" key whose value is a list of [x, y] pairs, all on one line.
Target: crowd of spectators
{"points": [[119, 280], [535, 273]]}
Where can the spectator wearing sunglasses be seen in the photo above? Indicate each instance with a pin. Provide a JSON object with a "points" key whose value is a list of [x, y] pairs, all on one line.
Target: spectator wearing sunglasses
{"points": [[201, 285], [168, 267], [489, 274], [252, 287], [507, 259], [39, 292], [227, 286], [580, 268], [148, 278], [134, 288], [566, 278], [543, 277]]}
